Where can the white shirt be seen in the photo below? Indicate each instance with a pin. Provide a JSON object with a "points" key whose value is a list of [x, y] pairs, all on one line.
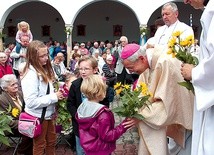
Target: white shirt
{"points": [[34, 91], [164, 33], [17, 60]]}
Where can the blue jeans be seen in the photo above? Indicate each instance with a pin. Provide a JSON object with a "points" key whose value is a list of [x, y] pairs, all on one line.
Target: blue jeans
{"points": [[18, 47], [79, 148]]}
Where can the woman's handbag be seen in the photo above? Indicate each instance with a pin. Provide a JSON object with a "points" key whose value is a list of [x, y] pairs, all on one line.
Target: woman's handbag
{"points": [[29, 125]]}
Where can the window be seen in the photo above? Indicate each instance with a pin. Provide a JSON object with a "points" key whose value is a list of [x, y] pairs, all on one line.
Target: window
{"points": [[117, 30], [81, 30]]}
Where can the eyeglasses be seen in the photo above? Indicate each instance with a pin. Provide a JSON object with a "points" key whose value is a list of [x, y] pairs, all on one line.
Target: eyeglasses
{"points": [[85, 69], [44, 55]]}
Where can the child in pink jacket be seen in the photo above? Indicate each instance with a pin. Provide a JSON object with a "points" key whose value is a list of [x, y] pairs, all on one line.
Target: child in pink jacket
{"points": [[96, 122]]}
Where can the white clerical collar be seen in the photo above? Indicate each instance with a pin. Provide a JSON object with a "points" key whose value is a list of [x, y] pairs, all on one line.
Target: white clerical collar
{"points": [[173, 25]]}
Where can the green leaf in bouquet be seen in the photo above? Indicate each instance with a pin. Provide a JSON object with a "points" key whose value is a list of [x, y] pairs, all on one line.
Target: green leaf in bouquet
{"points": [[181, 49], [188, 85], [1, 131], [138, 116], [4, 140], [143, 100], [195, 60], [6, 127], [181, 56], [118, 109], [130, 99], [5, 119]]}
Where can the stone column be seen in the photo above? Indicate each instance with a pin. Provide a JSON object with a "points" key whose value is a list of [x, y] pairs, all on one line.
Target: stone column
{"points": [[68, 29], [1, 41]]}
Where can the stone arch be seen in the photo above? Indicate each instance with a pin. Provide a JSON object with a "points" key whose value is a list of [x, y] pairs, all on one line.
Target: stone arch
{"points": [[105, 18], [38, 17]]}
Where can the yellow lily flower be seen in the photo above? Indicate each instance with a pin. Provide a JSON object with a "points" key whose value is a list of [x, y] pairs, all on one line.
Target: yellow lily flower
{"points": [[15, 112], [176, 34], [117, 85]]}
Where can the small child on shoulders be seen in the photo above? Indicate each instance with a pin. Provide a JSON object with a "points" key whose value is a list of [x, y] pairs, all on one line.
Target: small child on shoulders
{"points": [[96, 122], [23, 30]]}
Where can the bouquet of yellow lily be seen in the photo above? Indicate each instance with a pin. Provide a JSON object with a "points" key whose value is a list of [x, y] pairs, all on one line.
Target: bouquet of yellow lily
{"points": [[132, 100], [181, 50]]}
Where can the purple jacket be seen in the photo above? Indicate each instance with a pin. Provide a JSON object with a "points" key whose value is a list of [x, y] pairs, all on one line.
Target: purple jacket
{"points": [[97, 132]]}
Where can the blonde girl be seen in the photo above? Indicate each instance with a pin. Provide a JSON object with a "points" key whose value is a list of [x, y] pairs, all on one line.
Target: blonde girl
{"points": [[23, 30], [38, 75], [96, 121]]}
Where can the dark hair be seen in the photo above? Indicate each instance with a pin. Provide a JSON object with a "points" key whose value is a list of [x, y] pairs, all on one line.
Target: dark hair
{"points": [[205, 2], [159, 22]]}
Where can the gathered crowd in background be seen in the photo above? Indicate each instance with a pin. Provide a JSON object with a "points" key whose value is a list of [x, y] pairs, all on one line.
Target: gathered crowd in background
{"points": [[36, 77]]}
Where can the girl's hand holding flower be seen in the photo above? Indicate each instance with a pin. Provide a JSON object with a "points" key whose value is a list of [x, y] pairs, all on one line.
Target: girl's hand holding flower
{"points": [[59, 95]]}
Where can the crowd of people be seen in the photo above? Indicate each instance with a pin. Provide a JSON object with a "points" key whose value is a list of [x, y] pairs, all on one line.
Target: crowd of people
{"points": [[176, 122]]}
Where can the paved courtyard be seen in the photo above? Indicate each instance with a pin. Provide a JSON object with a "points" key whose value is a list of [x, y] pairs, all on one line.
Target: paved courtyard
{"points": [[126, 145]]}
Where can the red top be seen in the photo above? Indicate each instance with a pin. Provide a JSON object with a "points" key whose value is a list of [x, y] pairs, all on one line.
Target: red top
{"points": [[7, 69]]}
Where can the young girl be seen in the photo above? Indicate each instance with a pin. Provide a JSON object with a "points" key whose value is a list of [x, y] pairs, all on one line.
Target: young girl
{"points": [[96, 122], [87, 66], [37, 76], [23, 30]]}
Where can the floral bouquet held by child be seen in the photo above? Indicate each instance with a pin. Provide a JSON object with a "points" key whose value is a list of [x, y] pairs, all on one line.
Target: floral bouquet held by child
{"points": [[63, 116], [181, 50], [132, 101]]}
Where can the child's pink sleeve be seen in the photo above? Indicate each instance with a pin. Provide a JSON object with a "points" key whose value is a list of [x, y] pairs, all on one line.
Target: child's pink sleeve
{"points": [[30, 36], [18, 36]]}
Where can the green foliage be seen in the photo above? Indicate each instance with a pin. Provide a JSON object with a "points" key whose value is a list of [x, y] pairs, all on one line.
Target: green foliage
{"points": [[144, 31], [63, 116], [187, 84], [5, 120], [68, 31], [2, 35], [132, 101], [187, 58], [181, 50]]}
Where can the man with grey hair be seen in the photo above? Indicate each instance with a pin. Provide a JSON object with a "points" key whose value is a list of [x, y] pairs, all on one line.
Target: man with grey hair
{"points": [[171, 108], [20, 57], [170, 14], [94, 48], [123, 75]]}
